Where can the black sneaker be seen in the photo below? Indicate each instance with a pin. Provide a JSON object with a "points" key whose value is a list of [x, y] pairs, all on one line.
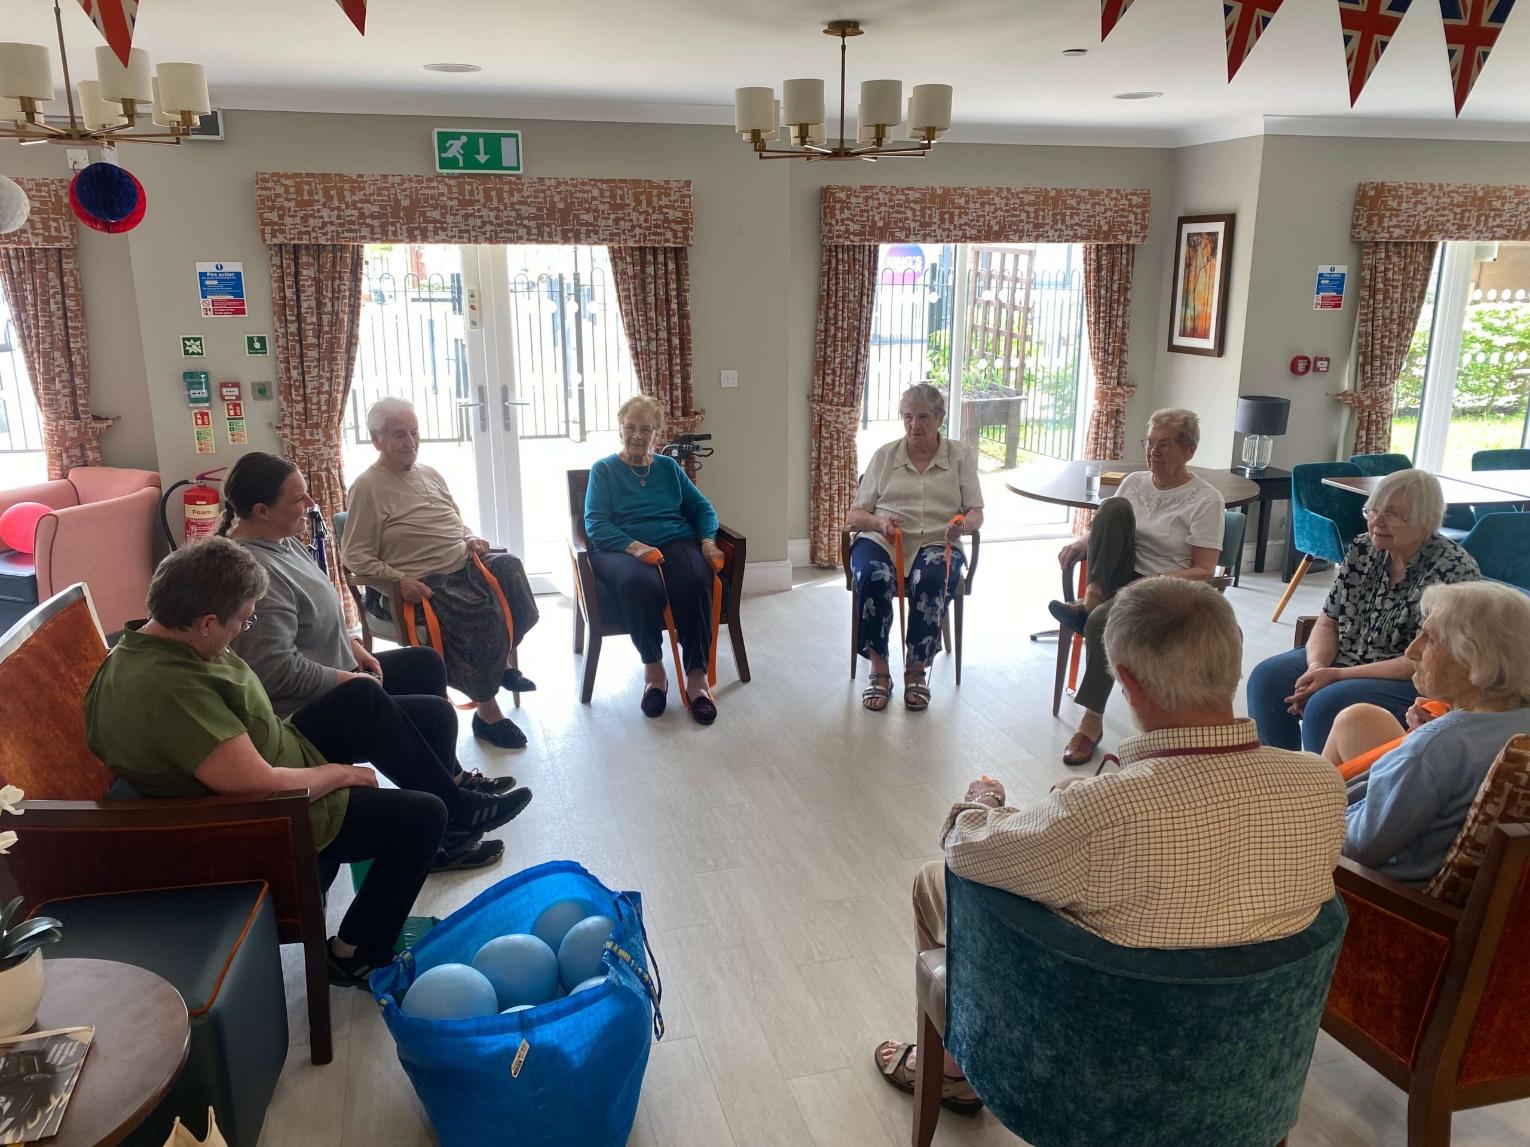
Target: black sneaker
{"points": [[474, 781], [517, 682], [504, 733], [463, 851], [484, 813], [352, 971]]}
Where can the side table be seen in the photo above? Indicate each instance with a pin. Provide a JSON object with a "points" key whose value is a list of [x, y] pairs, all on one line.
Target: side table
{"points": [[142, 1034], [1274, 486]]}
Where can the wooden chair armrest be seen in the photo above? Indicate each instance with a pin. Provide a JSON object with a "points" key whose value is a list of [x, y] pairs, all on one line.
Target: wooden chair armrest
{"points": [[164, 812], [1397, 898], [1304, 626], [735, 548], [577, 542], [383, 585], [729, 534]]}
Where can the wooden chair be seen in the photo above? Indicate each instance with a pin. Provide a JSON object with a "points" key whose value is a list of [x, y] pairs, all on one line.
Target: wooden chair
{"points": [[1070, 646], [388, 628], [949, 641], [1432, 986], [73, 841], [603, 623]]}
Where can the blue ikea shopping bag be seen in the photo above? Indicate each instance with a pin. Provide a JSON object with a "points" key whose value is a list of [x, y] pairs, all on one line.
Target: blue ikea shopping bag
{"points": [[562, 1074]]}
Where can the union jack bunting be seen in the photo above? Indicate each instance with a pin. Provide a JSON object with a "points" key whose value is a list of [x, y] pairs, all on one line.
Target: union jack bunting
{"points": [[1246, 21], [1471, 30], [1369, 26], [115, 19], [357, 11], [1111, 12]]}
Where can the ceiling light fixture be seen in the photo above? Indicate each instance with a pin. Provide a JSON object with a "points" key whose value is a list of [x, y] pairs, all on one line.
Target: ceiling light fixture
{"points": [[757, 115], [454, 69], [1136, 95], [176, 98]]}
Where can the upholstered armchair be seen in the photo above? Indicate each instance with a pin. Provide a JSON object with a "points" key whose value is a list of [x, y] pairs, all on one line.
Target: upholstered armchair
{"points": [[75, 842], [1323, 519], [101, 532], [1072, 1041]]}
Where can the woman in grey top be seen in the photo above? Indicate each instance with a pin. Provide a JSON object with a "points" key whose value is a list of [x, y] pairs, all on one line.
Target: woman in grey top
{"points": [[391, 708]]}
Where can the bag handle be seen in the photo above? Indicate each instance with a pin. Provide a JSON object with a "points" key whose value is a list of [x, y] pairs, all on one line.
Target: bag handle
{"points": [[654, 984]]}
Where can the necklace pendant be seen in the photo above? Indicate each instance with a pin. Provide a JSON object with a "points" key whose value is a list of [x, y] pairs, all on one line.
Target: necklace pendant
{"points": [[642, 481]]}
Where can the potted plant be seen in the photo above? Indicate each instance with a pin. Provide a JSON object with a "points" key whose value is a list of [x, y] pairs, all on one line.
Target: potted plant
{"points": [[21, 941]]}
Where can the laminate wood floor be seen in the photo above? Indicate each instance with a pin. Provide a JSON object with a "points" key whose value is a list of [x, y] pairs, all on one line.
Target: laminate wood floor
{"points": [[774, 853]]}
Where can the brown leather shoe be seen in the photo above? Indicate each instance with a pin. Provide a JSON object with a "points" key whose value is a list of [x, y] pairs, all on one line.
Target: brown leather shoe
{"points": [[1080, 750]]}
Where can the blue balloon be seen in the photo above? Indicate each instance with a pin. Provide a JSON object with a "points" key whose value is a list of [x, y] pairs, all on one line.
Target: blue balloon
{"points": [[451, 992], [522, 969], [580, 954], [592, 982], [554, 921]]}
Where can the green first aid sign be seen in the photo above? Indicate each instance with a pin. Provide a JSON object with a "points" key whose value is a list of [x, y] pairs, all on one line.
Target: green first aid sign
{"points": [[477, 152]]}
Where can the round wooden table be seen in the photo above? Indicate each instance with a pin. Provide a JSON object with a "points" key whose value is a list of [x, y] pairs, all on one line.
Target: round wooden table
{"points": [[142, 1034], [1062, 483]]}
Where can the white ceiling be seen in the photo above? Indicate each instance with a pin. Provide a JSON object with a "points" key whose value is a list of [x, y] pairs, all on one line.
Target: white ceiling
{"points": [[679, 61]]}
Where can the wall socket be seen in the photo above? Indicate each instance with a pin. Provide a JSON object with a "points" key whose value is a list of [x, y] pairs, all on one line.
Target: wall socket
{"points": [[260, 391], [729, 378]]}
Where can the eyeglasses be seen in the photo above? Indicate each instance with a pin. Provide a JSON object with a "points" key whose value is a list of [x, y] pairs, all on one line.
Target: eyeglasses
{"points": [[1149, 446], [1385, 517], [645, 431]]}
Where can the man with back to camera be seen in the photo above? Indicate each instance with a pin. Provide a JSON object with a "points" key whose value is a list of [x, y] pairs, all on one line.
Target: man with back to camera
{"points": [[1203, 839]]}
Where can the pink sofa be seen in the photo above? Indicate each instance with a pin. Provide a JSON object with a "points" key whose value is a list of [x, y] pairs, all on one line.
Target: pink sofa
{"points": [[101, 533]]}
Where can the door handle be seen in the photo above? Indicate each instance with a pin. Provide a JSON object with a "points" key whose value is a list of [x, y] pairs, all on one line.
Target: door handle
{"points": [[506, 402]]}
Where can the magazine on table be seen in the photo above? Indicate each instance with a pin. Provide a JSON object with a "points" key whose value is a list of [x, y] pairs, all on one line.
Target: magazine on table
{"points": [[38, 1071]]}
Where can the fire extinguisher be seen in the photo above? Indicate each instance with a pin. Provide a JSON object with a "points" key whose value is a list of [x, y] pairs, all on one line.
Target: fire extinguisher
{"points": [[201, 506]]}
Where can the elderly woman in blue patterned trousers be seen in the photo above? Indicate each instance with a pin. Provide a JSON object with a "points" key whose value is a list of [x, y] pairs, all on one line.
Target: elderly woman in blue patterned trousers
{"points": [[916, 486]]}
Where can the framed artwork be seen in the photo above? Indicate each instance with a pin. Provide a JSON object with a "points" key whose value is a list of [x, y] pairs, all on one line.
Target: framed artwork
{"points": [[1202, 267]]}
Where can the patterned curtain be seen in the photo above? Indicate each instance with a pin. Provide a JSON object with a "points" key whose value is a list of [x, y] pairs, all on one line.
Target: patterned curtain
{"points": [[1108, 313], [42, 285], [653, 290], [316, 312], [847, 286], [1394, 277]]}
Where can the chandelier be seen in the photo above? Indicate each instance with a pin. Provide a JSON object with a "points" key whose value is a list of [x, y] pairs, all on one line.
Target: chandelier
{"points": [[758, 118], [109, 107]]}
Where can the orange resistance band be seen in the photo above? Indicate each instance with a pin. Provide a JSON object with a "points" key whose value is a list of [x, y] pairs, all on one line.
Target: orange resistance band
{"points": [[433, 626], [959, 519], [656, 559]]}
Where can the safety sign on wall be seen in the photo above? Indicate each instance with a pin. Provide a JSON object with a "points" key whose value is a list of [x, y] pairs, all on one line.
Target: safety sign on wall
{"points": [[220, 286], [233, 412], [201, 426], [1328, 294]]}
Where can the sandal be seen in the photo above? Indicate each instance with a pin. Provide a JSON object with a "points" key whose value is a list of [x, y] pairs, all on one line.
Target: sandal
{"points": [[878, 693], [916, 694], [957, 1094]]}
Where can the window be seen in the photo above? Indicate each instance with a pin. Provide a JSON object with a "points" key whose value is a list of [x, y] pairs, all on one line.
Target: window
{"points": [[22, 461], [1465, 381], [1018, 343]]}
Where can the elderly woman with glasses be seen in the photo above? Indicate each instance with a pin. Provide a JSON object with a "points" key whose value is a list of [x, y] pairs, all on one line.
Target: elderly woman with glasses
{"points": [[639, 506], [914, 487], [1163, 521], [1356, 651]]}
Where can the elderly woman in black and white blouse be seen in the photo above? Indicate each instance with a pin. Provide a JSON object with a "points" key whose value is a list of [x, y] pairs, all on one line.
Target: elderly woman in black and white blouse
{"points": [[1371, 616]]}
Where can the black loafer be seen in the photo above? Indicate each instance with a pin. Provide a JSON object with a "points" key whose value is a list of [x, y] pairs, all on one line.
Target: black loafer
{"points": [[703, 711], [517, 682], [1069, 615], [654, 702], [505, 733]]}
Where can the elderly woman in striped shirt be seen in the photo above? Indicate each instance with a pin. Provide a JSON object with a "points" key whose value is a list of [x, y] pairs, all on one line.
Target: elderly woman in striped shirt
{"points": [[918, 496]]}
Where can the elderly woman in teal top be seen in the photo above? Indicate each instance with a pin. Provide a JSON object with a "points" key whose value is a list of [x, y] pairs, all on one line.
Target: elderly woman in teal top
{"points": [[639, 502]]}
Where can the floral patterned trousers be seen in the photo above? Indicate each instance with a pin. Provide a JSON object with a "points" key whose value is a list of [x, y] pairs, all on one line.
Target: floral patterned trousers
{"points": [[876, 592]]}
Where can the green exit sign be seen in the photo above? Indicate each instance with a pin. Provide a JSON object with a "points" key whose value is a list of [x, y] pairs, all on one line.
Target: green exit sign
{"points": [[477, 152]]}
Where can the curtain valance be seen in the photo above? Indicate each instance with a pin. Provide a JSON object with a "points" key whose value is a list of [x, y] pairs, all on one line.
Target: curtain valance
{"points": [[1439, 212], [984, 215]]}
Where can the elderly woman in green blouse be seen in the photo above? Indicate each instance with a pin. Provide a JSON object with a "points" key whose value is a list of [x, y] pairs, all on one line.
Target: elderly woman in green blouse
{"points": [[919, 493], [175, 713]]}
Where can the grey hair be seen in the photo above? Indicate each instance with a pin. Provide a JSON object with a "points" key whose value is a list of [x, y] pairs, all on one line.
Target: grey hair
{"points": [[382, 410], [1486, 627], [651, 405], [925, 394], [1418, 491], [1179, 638], [1186, 425]]}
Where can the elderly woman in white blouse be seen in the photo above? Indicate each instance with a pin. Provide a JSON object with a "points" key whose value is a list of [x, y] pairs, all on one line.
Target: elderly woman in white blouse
{"points": [[919, 495]]}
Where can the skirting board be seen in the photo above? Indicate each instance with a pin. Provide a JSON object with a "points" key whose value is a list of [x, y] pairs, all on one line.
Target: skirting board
{"points": [[799, 552], [767, 577]]}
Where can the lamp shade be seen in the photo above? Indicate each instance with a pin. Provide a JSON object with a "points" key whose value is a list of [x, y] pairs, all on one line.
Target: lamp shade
{"points": [[119, 83], [25, 72], [95, 111], [10, 111], [930, 107], [1262, 414], [802, 100], [754, 110], [183, 88], [882, 102]]}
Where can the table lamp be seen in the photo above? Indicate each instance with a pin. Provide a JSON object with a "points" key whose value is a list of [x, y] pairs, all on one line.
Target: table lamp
{"points": [[1261, 418]]}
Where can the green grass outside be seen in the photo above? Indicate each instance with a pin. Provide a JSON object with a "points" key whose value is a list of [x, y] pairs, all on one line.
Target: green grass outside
{"points": [[1467, 435]]}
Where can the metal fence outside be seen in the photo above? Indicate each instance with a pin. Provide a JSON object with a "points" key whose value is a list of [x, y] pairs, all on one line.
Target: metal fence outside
{"points": [[20, 423]]}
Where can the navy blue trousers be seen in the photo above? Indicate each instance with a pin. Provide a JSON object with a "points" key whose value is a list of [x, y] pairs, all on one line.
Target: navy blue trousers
{"points": [[876, 593]]}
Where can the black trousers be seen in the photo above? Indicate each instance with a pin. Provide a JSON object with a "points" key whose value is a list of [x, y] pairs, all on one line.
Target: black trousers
{"points": [[410, 738], [635, 587], [400, 833]]}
